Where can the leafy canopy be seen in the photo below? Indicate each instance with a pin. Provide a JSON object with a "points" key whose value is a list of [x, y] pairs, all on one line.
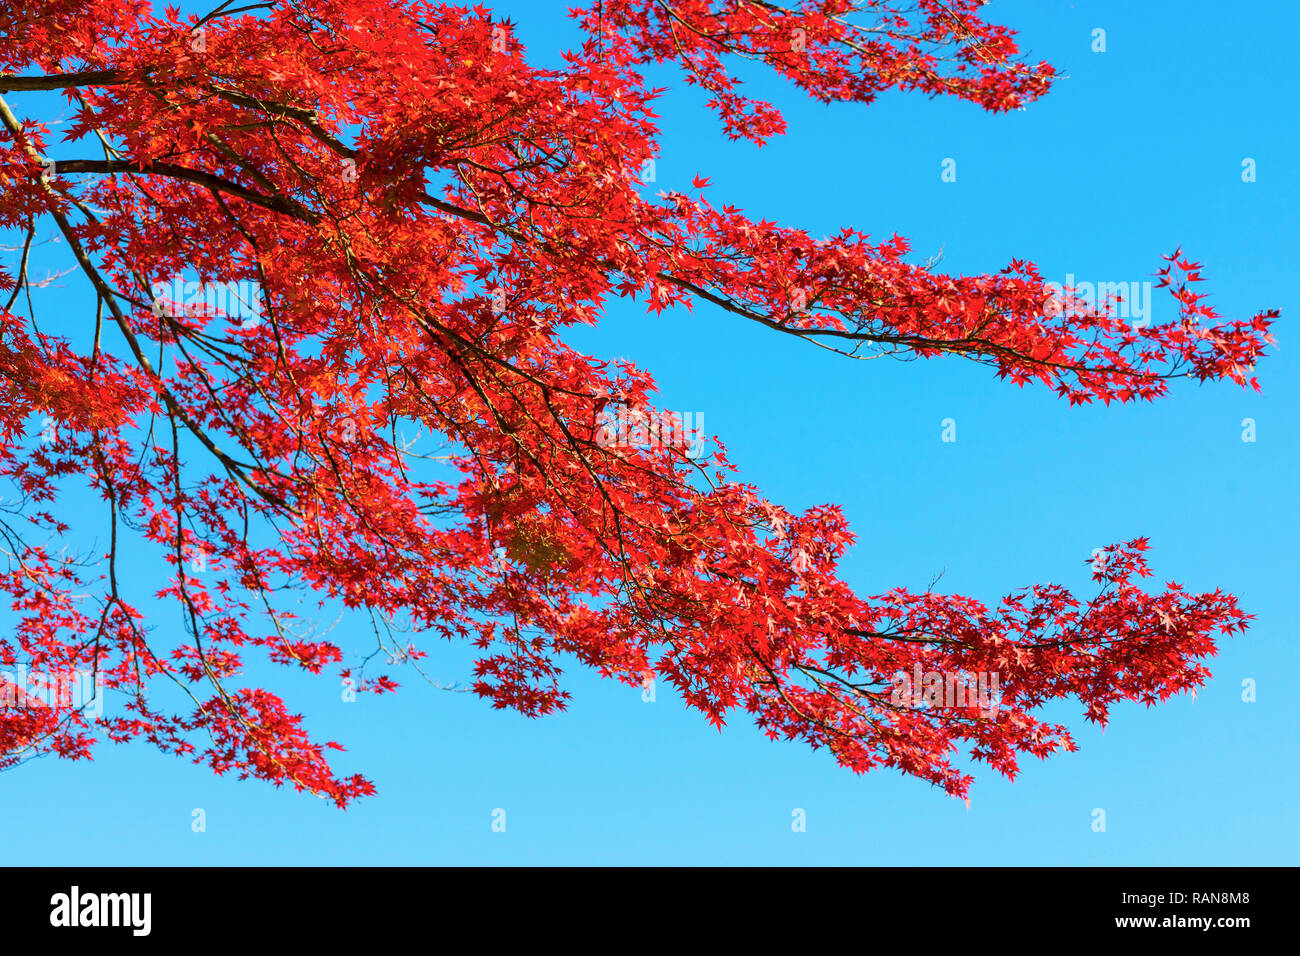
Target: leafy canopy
{"points": [[419, 213]]}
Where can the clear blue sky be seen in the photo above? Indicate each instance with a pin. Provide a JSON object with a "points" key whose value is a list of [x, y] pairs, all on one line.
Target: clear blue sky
{"points": [[1136, 151]]}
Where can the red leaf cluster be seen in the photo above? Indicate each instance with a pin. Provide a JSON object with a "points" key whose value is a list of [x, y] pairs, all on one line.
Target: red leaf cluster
{"points": [[419, 212]]}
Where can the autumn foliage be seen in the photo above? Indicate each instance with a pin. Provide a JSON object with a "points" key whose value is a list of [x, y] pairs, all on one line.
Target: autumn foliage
{"points": [[422, 212]]}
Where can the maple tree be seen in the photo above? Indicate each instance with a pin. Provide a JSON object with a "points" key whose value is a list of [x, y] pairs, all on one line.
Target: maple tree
{"points": [[421, 212]]}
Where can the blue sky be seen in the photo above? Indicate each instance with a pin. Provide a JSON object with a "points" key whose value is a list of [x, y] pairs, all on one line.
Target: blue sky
{"points": [[1136, 151]]}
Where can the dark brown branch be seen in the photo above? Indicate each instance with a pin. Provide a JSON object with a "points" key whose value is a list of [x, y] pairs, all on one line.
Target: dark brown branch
{"points": [[11, 82], [197, 177]]}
